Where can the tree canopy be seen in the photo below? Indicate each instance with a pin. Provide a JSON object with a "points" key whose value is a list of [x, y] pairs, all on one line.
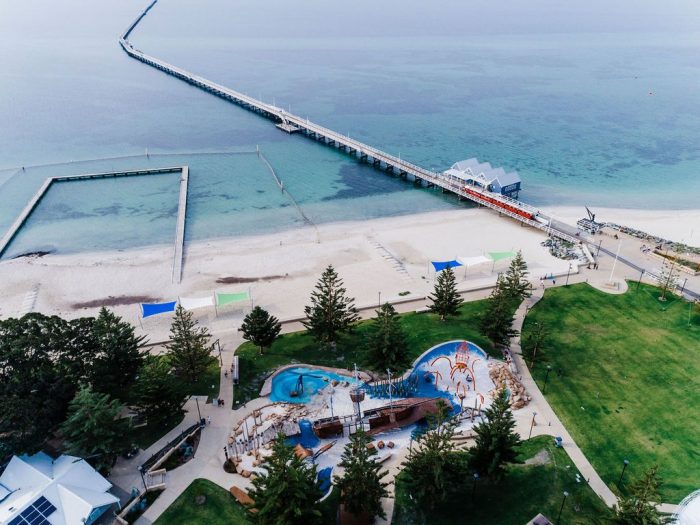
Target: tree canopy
{"points": [[638, 508], [287, 493], [445, 299], [260, 328], [497, 319], [361, 486], [331, 311], [496, 441], [157, 394], [93, 429], [188, 349], [386, 341]]}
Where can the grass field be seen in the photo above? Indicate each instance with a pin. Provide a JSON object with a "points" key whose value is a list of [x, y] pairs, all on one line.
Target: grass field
{"points": [[220, 508], [525, 491], [423, 331], [629, 385]]}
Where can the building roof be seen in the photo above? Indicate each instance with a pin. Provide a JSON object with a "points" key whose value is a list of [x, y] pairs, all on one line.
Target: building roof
{"points": [[483, 173], [69, 484]]}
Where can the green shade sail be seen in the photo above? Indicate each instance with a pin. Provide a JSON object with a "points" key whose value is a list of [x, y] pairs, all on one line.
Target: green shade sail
{"points": [[228, 298], [499, 256]]}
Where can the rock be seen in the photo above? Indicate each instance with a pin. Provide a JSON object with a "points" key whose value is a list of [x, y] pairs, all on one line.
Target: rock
{"points": [[390, 444], [334, 382], [380, 445], [370, 446], [246, 473]]}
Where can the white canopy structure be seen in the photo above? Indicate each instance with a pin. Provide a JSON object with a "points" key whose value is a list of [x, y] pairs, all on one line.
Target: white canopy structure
{"points": [[39, 490], [474, 173], [473, 261], [190, 303]]}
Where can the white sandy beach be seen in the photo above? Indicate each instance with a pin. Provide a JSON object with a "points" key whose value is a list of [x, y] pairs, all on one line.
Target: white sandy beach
{"points": [[386, 256], [674, 225]]}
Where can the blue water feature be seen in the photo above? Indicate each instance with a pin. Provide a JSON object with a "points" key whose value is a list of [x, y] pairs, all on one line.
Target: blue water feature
{"points": [[324, 479], [306, 438], [425, 386], [287, 381]]}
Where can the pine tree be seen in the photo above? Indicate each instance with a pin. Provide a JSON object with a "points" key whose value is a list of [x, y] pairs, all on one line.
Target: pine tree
{"points": [[434, 467], [533, 341], [93, 428], [496, 441], [515, 281], [157, 394], [330, 312], [497, 320], [260, 328], [638, 508], [119, 356], [287, 493], [386, 342], [445, 299], [361, 486], [188, 349]]}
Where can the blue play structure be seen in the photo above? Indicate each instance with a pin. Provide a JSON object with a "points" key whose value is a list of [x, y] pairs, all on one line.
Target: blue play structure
{"points": [[306, 438], [305, 382]]}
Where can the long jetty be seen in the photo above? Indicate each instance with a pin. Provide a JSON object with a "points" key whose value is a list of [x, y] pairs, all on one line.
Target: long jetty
{"points": [[291, 123], [181, 213]]}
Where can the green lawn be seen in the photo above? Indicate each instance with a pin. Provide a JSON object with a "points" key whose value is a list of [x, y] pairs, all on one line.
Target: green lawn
{"points": [[423, 331], [629, 385], [524, 491], [219, 508]]}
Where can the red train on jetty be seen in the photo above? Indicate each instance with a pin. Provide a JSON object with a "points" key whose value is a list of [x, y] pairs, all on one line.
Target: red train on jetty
{"points": [[501, 204]]}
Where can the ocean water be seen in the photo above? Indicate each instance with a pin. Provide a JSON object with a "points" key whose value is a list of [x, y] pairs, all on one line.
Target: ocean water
{"points": [[592, 104]]}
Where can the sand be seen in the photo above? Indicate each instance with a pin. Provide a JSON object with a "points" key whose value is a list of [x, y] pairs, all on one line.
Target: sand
{"points": [[674, 225], [386, 256]]}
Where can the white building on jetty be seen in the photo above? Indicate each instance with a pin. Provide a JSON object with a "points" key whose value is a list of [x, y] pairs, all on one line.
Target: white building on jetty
{"points": [[474, 173]]}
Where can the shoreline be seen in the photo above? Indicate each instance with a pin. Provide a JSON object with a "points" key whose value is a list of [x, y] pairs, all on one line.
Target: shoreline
{"points": [[377, 258]]}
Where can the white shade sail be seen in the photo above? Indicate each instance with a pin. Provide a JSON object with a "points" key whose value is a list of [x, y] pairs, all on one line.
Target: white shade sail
{"points": [[190, 303]]}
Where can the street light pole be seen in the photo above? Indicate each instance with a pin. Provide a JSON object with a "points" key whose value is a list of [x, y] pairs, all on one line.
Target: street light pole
{"points": [[476, 478], [532, 424], [624, 467], [142, 478], [568, 272], [641, 274], [379, 301], [562, 506], [546, 376], [196, 400]]}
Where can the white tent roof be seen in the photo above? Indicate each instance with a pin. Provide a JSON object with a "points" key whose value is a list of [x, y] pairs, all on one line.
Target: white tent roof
{"points": [[190, 303], [473, 261], [68, 483]]}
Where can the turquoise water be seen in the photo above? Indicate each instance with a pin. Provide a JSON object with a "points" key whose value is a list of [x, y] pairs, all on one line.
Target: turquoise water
{"points": [[284, 383], [591, 105]]}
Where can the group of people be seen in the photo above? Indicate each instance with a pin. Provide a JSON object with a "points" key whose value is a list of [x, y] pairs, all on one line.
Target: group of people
{"points": [[218, 402]]}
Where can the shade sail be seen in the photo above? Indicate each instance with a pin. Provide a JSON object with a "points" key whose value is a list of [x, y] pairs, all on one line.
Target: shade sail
{"points": [[499, 256], [228, 298], [473, 261], [150, 309], [190, 303], [441, 265]]}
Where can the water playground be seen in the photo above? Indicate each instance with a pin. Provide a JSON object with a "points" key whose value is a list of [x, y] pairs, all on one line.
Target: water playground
{"points": [[318, 408]]}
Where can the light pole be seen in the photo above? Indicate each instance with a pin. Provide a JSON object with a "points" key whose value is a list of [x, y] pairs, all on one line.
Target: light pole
{"points": [[196, 400], [532, 424], [568, 272], [476, 478], [379, 301], [624, 467], [391, 400], [641, 274], [546, 376], [562, 506], [142, 478]]}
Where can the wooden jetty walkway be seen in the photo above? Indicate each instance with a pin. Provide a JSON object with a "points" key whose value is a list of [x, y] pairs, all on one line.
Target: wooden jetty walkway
{"points": [[181, 214], [291, 123]]}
